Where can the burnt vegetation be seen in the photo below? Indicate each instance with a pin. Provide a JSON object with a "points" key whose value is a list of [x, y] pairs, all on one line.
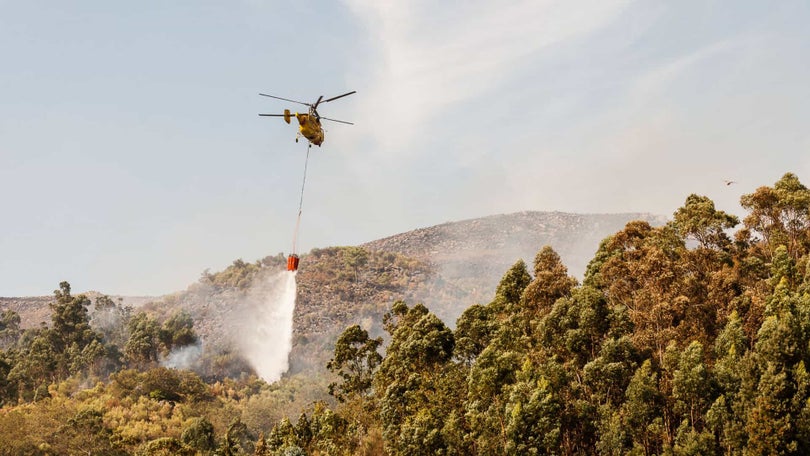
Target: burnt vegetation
{"points": [[691, 337]]}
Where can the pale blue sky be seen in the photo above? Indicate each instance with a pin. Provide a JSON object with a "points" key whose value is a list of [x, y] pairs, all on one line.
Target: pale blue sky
{"points": [[132, 158]]}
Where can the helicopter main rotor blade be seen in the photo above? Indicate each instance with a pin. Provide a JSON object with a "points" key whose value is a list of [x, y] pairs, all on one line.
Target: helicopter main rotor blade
{"points": [[335, 120], [272, 115], [285, 99], [339, 96], [315, 106]]}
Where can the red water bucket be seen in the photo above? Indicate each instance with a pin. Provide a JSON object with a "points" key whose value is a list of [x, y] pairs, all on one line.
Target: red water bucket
{"points": [[292, 262]]}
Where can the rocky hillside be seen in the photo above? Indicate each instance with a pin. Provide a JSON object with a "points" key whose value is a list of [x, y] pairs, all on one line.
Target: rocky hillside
{"points": [[447, 267], [336, 287], [472, 255]]}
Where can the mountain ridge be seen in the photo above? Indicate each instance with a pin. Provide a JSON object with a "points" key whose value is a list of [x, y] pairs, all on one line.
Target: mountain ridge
{"points": [[447, 267], [487, 246]]}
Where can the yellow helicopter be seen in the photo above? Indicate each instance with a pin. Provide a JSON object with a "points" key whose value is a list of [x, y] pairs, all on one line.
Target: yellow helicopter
{"points": [[309, 123]]}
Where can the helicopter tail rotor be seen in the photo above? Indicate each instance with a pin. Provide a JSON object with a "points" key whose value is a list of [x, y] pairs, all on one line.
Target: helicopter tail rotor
{"points": [[287, 115]]}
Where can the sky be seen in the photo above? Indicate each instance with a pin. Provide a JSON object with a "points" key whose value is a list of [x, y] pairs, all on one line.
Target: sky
{"points": [[132, 158]]}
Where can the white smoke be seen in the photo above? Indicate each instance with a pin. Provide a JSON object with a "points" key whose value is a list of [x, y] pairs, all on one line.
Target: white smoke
{"points": [[265, 327], [183, 357]]}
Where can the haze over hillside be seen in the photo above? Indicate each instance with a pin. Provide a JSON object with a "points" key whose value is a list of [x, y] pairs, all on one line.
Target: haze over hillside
{"points": [[448, 267], [473, 254], [679, 325]]}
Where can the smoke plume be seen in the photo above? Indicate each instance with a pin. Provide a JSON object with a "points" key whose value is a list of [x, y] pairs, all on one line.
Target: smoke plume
{"points": [[184, 357]]}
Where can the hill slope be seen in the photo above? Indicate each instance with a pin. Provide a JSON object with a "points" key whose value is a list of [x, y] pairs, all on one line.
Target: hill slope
{"points": [[447, 267], [473, 254]]}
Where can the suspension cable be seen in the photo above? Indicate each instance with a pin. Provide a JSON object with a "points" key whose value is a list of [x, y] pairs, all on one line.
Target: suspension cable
{"points": [[301, 201]]}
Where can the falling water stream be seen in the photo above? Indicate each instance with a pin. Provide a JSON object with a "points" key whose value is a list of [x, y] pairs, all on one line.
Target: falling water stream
{"points": [[266, 338]]}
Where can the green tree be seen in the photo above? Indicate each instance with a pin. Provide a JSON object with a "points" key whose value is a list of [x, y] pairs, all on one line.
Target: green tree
{"points": [[355, 258], [143, 345], [533, 412], [776, 413], [780, 214], [691, 442], [726, 416], [576, 325], [412, 405], [645, 271], [199, 435], [9, 328], [493, 341], [355, 360], [178, 331], [74, 342], [642, 412], [238, 275], [303, 429], [608, 374], [85, 433], [237, 440], [330, 432], [34, 367], [282, 437], [165, 446], [512, 286], [551, 282], [478, 324], [494, 371], [474, 330], [699, 220], [692, 388]]}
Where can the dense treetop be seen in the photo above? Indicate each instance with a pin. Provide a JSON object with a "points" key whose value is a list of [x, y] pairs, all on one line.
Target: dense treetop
{"points": [[688, 338]]}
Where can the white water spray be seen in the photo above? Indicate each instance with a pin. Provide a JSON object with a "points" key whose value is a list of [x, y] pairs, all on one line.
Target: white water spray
{"points": [[265, 334]]}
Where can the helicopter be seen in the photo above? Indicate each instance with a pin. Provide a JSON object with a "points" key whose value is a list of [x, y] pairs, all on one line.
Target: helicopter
{"points": [[309, 123]]}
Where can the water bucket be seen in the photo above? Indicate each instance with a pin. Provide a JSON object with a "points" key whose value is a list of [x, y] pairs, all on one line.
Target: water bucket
{"points": [[292, 262]]}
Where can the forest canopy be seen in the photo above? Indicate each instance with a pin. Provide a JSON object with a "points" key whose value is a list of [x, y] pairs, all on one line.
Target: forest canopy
{"points": [[687, 338]]}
